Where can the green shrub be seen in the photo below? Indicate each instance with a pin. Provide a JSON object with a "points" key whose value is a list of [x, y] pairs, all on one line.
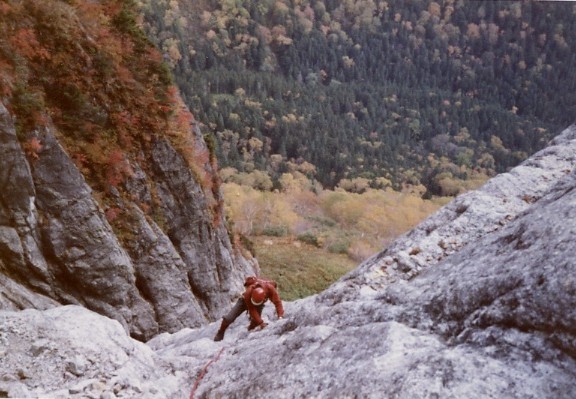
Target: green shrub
{"points": [[299, 272], [248, 244], [325, 221], [309, 238], [275, 231], [339, 247], [28, 107]]}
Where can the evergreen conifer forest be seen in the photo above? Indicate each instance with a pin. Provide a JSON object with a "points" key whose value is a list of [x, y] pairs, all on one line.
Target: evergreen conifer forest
{"points": [[372, 94]]}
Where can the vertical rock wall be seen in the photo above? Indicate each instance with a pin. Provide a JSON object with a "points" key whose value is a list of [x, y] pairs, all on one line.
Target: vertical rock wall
{"points": [[56, 246]]}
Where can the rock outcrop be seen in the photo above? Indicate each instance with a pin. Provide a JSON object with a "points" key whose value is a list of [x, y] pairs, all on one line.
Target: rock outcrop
{"points": [[477, 301], [57, 247]]}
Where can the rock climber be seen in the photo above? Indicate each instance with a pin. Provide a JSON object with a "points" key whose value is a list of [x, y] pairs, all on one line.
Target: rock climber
{"points": [[257, 292]]}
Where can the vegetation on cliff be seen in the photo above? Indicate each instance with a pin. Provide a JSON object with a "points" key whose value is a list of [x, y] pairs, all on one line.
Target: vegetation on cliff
{"points": [[88, 68]]}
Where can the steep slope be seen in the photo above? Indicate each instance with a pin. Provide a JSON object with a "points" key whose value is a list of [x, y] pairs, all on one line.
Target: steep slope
{"points": [[494, 317], [109, 196]]}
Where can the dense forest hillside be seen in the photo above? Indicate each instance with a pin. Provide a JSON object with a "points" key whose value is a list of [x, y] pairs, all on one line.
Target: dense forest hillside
{"points": [[378, 93]]}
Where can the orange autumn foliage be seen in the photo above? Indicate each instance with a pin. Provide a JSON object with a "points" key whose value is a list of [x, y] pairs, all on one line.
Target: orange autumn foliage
{"points": [[87, 67], [25, 40], [32, 148]]}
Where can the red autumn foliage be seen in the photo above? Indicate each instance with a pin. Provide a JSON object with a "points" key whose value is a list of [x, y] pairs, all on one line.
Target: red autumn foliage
{"points": [[5, 8], [106, 91], [25, 40], [80, 159], [112, 214], [184, 119], [32, 148], [117, 169]]}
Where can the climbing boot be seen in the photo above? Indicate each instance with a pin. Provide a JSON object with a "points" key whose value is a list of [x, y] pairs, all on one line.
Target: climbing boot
{"points": [[220, 334]]}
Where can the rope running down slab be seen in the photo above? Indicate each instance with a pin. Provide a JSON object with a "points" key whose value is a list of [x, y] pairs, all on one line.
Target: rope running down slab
{"points": [[203, 373]]}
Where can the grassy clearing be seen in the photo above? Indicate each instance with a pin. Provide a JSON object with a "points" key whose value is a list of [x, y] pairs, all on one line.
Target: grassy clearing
{"points": [[300, 269], [306, 238]]}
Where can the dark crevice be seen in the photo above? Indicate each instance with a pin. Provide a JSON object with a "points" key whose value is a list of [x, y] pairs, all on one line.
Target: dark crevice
{"points": [[198, 292], [144, 291], [517, 238]]}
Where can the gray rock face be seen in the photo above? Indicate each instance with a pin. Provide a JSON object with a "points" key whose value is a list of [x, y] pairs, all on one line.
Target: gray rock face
{"points": [[493, 317], [56, 246], [490, 315], [73, 353], [469, 217]]}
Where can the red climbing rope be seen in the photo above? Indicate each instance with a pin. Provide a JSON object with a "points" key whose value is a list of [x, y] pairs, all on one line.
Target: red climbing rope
{"points": [[203, 373]]}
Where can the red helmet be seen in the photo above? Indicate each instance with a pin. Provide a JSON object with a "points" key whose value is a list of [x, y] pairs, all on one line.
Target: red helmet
{"points": [[258, 296]]}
